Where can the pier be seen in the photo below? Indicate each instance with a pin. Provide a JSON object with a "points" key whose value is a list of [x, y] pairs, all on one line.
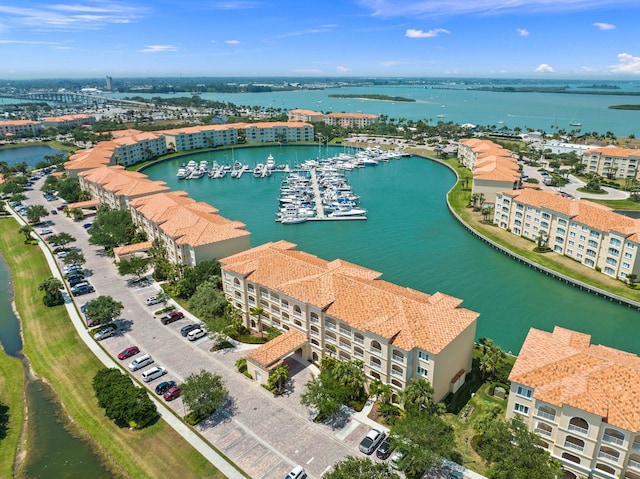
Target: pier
{"points": [[320, 214]]}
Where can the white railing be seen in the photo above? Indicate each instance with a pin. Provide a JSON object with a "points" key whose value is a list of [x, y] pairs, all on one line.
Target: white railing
{"points": [[346, 332], [297, 314], [612, 439], [397, 373], [635, 446], [574, 446], [358, 340], [400, 359], [264, 295], [544, 432], [634, 464], [573, 427], [608, 456], [315, 333], [358, 354], [315, 320], [344, 345], [330, 326], [330, 339], [374, 365], [546, 415], [376, 350]]}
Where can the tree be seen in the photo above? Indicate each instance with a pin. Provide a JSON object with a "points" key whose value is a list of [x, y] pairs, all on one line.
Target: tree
{"points": [[135, 265], [204, 393], [26, 231], [351, 374], [324, 394], [35, 213], [512, 452], [360, 468], [417, 396], [381, 391], [61, 239], [75, 258], [76, 213], [208, 302], [631, 280], [278, 379], [103, 309], [192, 277], [273, 332], [111, 228], [53, 290], [257, 312], [424, 439]]}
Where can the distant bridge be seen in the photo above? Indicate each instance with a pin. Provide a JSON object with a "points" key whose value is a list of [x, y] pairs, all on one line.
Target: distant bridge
{"points": [[69, 97]]}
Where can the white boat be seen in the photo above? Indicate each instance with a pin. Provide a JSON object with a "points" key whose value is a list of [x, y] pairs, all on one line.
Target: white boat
{"points": [[182, 173], [257, 171], [271, 163], [441, 115], [292, 220], [348, 212]]}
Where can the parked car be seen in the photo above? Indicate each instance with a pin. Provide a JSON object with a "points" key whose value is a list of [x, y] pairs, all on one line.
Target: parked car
{"points": [[128, 352], [87, 225], [196, 334], [371, 441], [153, 373], [396, 458], [172, 393], [164, 386], [384, 451], [81, 289], [105, 332], [46, 231], [455, 475], [72, 268], [61, 254], [140, 362], [74, 275], [153, 300], [76, 281], [171, 316], [297, 472], [185, 330], [54, 212]]}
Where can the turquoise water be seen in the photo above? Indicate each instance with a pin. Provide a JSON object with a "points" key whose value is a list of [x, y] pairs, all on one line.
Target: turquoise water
{"points": [[31, 155], [533, 110], [413, 240], [9, 324]]}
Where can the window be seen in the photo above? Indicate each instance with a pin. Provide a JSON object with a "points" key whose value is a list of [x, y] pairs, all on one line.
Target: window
{"points": [[375, 347], [593, 244], [422, 372], [524, 392], [562, 222], [626, 265], [615, 242], [571, 242], [521, 409], [612, 261], [561, 231], [628, 255], [609, 271], [422, 355], [594, 234], [572, 234], [583, 238], [614, 252]]}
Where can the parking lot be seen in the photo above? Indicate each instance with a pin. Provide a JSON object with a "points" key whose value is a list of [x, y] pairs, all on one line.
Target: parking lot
{"points": [[264, 435]]}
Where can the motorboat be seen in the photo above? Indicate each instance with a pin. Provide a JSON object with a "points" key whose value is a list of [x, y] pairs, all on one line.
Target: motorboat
{"points": [[258, 170], [271, 163], [348, 212], [182, 173]]}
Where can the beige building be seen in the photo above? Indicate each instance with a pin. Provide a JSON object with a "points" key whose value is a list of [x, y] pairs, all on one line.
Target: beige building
{"points": [[191, 231], [198, 137], [19, 127], [116, 187], [587, 232], [80, 119], [612, 162], [350, 120], [305, 115], [344, 309], [493, 167], [582, 400]]}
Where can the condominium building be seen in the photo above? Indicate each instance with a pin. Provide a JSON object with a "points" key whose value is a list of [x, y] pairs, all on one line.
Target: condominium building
{"points": [[77, 120], [19, 127], [587, 232], [305, 115], [116, 187], [350, 120], [493, 167], [198, 137], [191, 231], [583, 401], [612, 162], [342, 309], [288, 131]]}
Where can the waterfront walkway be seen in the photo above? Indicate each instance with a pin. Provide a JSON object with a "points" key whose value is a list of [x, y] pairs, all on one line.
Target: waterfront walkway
{"points": [[320, 214]]}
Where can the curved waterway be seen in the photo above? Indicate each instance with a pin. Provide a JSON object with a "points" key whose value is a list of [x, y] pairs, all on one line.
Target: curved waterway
{"points": [[31, 155], [412, 239]]}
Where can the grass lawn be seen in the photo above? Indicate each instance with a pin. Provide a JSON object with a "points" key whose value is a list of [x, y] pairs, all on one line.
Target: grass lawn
{"points": [[11, 410], [623, 205], [58, 355]]}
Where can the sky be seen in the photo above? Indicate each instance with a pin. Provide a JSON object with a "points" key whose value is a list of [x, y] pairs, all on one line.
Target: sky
{"points": [[320, 38]]}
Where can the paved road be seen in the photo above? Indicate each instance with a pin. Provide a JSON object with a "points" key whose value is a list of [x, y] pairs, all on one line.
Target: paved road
{"points": [[264, 435]]}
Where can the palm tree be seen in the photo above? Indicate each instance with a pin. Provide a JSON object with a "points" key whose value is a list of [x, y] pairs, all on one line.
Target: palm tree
{"points": [[51, 287], [382, 392], [278, 378], [258, 312], [417, 395], [351, 374]]}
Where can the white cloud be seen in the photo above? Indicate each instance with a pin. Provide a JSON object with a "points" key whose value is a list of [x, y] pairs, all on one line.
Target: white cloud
{"points": [[392, 63], [413, 33], [342, 69], [626, 64], [586, 69], [231, 42], [439, 8], [321, 29], [71, 17], [523, 32], [158, 48], [604, 26], [239, 5], [544, 68]]}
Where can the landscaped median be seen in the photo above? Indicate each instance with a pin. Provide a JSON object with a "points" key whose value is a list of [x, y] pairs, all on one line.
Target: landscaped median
{"points": [[11, 410], [58, 355]]}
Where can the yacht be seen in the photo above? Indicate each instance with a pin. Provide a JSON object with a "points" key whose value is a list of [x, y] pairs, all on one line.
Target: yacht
{"points": [[348, 212], [182, 173], [258, 170], [271, 163]]}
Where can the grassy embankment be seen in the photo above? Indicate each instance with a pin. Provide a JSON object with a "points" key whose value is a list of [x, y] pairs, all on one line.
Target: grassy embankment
{"points": [[11, 410], [52, 143], [459, 198], [59, 356]]}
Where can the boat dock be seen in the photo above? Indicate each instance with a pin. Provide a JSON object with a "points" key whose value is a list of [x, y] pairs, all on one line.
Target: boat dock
{"points": [[317, 196]]}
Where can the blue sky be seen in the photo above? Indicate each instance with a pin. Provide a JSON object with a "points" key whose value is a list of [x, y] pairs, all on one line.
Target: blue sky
{"points": [[289, 38]]}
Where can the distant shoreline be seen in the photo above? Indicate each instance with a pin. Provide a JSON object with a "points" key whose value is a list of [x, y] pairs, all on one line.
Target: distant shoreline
{"points": [[367, 96], [551, 89], [624, 107]]}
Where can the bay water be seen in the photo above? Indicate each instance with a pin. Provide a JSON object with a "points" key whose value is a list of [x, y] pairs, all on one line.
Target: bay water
{"points": [[412, 239]]}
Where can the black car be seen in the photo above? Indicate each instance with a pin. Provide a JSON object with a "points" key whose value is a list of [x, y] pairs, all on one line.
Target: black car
{"points": [[76, 280], [384, 450], [82, 289], [164, 387], [185, 330]]}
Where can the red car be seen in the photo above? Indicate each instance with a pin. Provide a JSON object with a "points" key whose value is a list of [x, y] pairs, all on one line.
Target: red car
{"points": [[171, 317], [171, 394], [127, 353]]}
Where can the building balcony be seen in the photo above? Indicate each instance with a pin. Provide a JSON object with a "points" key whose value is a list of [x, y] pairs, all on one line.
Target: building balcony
{"points": [[634, 464], [314, 320], [376, 350], [397, 358], [545, 415], [358, 340], [581, 430], [574, 446], [542, 432], [331, 326], [358, 354], [609, 457], [346, 332], [612, 440]]}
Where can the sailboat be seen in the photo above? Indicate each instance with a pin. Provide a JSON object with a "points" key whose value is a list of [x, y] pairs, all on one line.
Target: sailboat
{"points": [[573, 122]]}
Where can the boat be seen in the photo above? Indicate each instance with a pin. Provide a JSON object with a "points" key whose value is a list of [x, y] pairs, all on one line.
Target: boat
{"points": [[292, 220], [258, 170], [348, 212], [441, 115], [575, 123], [271, 163], [182, 173]]}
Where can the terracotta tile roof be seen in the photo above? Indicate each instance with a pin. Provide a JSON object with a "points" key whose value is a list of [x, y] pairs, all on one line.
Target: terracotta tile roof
{"points": [[187, 221], [84, 204], [133, 248], [564, 368], [119, 181], [351, 115], [269, 354], [591, 214], [299, 111], [492, 162], [355, 295], [619, 152]]}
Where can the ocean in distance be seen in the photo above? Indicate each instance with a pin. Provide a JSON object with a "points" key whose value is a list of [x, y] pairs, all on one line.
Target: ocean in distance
{"points": [[460, 104], [412, 239]]}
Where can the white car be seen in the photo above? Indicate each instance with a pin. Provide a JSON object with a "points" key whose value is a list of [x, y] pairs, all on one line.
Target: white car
{"points": [[153, 300], [297, 472], [46, 231], [153, 373], [196, 334], [371, 441], [61, 254]]}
